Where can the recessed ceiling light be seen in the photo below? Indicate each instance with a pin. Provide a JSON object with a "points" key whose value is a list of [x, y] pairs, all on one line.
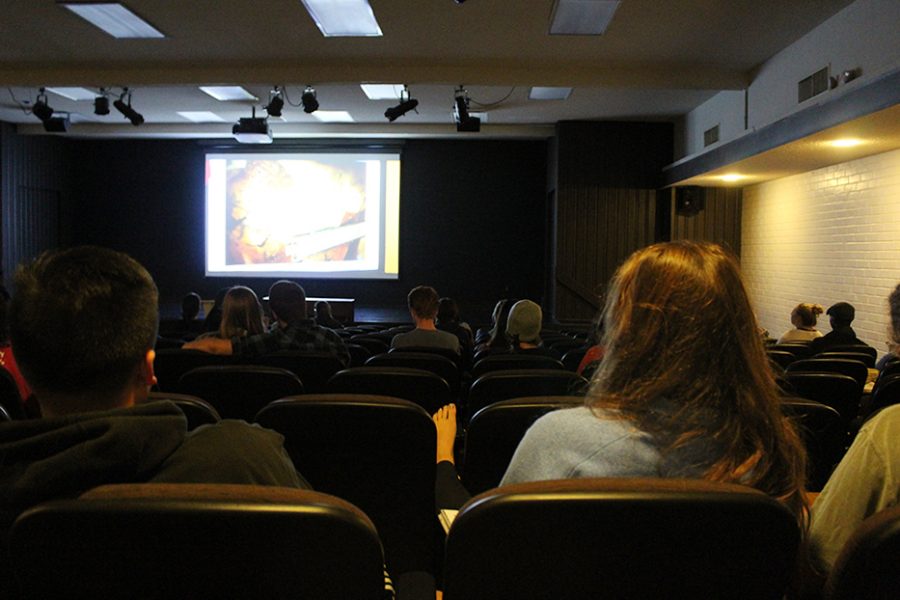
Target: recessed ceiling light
{"points": [[732, 177], [228, 93], [582, 17], [845, 143], [382, 91], [343, 18], [114, 19], [201, 116], [333, 116], [73, 93], [549, 93]]}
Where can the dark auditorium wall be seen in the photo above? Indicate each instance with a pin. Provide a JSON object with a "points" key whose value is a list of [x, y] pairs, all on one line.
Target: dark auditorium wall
{"points": [[472, 218], [608, 204]]}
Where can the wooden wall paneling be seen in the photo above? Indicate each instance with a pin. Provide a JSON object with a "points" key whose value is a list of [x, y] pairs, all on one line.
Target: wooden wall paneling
{"points": [[719, 221]]}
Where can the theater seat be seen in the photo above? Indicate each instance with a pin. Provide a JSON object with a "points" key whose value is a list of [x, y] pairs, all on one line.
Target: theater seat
{"points": [[494, 433], [824, 435], [439, 365], [838, 391], [503, 385], [885, 393], [505, 362], [314, 369], [621, 538], [197, 541], [240, 391], [868, 568], [172, 363], [416, 385], [852, 368], [198, 411], [376, 452], [10, 400], [863, 357]]}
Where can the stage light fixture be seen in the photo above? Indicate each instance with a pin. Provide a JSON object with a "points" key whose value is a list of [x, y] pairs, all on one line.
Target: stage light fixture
{"points": [[253, 130], [57, 124], [41, 109], [129, 113], [276, 103], [464, 121], [406, 104], [310, 104], [101, 103]]}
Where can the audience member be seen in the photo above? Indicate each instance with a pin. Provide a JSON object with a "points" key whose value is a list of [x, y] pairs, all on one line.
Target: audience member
{"points": [[324, 318], [841, 334], [83, 322], [803, 318], [523, 330], [448, 320], [685, 389], [497, 340], [214, 316], [423, 306], [866, 481], [292, 330], [242, 315]]}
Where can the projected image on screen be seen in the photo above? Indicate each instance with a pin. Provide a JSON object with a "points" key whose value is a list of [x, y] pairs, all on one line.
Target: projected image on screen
{"points": [[327, 215]]}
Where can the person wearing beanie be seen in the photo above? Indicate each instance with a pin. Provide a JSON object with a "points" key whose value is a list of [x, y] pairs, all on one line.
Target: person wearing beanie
{"points": [[841, 334], [523, 328]]}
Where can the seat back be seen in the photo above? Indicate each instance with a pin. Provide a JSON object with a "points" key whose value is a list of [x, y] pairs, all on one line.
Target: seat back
{"points": [[439, 365], [372, 344], [863, 357], [620, 538], [885, 393], [564, 345], [10, 400], [864, 348], [314, 369], [852, 368], [358, 355], [445, 352], [376, 452], [867, 567], [824, 436], [571, 360], [240, 391], [197, 541], [503, 385], [800, 350], [781, 358], [494, 433], [416, 385], [838, 391], [198, 411], [505, 362], [172, 363]]}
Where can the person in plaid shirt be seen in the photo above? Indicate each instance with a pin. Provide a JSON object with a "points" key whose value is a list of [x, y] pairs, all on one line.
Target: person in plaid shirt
{"points": [[292, 331]]}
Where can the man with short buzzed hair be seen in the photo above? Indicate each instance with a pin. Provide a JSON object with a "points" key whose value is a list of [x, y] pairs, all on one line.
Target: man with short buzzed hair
{"points": [[83, 322], [423, 306]]}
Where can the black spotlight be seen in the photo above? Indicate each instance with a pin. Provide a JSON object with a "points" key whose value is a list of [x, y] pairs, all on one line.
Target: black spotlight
{"points": [[406, 104], [132, 115], [276, 103], [464, 121], [41, 109], [101, 105], [310, 104], [57, 124]]}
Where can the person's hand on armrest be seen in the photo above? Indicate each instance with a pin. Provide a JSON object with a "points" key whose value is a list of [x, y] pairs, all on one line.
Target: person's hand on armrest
{"points": [[211, 345]]}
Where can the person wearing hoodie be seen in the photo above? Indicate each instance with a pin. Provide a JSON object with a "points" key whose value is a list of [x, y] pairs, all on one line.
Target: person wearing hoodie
{"points": [[84, 321]]}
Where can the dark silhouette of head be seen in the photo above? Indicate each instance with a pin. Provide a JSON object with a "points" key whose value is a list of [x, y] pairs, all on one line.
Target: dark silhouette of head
{"points": [[287, 301]]}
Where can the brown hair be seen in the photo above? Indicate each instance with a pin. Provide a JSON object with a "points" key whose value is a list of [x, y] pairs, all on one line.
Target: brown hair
{"points": [[241, 313], [807, 313], [287, 301], [685, 363], [423, 301], [894, 303]]}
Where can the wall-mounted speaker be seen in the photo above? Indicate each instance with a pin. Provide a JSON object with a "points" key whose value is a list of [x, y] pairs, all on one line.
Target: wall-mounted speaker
{"points": [[690, 200]]}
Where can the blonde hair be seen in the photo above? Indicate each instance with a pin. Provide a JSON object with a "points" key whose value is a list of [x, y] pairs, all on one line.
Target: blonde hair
{"points": [[684, 361], [807, 313]]}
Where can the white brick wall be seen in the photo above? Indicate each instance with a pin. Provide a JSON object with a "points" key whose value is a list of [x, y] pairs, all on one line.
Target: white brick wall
{"points": [[825, 236]]}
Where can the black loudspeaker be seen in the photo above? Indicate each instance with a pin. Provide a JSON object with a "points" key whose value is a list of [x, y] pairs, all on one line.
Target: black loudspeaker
{"points": [[689, 200]]}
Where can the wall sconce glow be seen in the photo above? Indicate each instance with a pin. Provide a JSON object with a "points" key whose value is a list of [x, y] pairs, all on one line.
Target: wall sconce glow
{"points": [[845, 143], [732, 177]]}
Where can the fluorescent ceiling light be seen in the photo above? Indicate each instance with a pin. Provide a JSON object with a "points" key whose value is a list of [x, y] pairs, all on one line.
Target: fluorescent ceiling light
{"points": [[333, 116], [228, 93], [582, 17], [343, 18], [74, 93], [201, 116], [115, 19], [382, 91], [549, 93]]}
